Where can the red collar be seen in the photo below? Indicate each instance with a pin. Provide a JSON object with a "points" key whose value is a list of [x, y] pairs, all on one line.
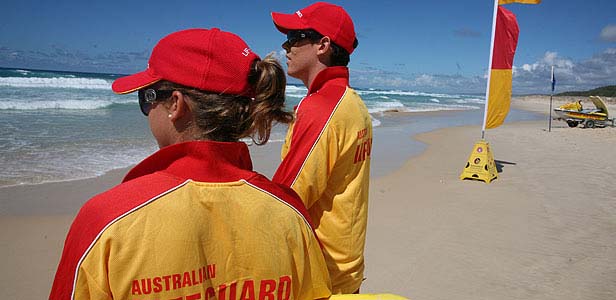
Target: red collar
{"points": [[204, 161], [338, 74]]}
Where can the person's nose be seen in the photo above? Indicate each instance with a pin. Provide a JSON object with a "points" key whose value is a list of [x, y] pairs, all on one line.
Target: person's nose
{"points": [[286, 46]]}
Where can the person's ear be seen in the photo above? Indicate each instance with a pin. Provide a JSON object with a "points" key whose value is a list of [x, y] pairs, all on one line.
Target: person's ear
{"points": [[324, 45], [178, 106]]}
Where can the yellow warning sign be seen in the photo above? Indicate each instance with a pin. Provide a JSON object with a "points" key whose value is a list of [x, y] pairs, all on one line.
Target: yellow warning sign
{"points": [[480, 164]]}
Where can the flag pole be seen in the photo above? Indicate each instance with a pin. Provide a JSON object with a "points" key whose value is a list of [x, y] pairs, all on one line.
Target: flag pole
{"points": [[551, 94], [485, 113]]}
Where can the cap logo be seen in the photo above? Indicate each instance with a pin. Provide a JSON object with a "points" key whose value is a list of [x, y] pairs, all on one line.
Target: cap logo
{"points": [[299, 13], [246, 52]]}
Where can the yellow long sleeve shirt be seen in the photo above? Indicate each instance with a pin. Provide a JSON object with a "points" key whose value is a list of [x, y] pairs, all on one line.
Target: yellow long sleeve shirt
{"points": [[326, 160], [193, 221]]}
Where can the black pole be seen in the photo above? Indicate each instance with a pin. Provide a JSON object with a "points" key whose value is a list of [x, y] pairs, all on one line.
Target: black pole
{"points": [[550, 118], [551, 94]]}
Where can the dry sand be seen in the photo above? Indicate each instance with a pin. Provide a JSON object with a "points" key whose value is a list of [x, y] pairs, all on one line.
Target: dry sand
{"points": [[545, 229]]}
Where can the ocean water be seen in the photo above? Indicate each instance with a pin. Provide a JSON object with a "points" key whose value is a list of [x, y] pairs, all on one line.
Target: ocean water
{"points": [[57, 126]]}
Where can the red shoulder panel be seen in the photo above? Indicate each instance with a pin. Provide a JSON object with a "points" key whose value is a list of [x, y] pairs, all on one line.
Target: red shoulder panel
{"points": [[312, 116], [95, 216]]}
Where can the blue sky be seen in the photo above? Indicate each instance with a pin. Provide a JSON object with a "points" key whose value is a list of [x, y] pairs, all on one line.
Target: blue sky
{"points": [[433, 46]]}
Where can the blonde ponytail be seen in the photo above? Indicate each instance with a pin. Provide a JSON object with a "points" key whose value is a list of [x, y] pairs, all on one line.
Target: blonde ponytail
{"points": [[269, 82]]}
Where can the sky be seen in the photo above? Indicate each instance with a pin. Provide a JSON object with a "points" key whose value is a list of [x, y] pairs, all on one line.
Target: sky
{"points": [[428, 46]]}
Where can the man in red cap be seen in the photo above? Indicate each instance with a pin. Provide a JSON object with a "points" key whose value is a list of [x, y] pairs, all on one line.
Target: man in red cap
{"points": [[326, 155]]}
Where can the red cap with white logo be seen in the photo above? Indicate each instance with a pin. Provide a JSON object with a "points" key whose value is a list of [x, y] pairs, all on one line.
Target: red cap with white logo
{"points": [[206, 59], [326, 18]]}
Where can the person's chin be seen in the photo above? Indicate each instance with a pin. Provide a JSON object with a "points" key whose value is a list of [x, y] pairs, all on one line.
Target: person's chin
{"points": [[292, 73]]}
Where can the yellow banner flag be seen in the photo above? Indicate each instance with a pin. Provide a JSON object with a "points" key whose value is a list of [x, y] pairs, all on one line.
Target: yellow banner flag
{"points": [[501, 2], [500, 97]]}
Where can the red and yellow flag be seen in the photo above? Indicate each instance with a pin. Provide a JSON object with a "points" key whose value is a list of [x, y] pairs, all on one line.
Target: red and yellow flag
{"points": [[505, 42], [501, 2]]}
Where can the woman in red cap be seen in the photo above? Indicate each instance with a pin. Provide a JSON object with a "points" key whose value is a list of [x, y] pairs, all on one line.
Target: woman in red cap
{"points": [[193, 221]]}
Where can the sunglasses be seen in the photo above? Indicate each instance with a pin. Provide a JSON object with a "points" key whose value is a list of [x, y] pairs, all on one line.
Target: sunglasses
{"points": [[147, 98], [295, 36]]}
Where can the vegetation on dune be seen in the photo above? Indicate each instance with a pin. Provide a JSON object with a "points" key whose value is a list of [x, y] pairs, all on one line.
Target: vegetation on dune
{"points": [[605, 91]]}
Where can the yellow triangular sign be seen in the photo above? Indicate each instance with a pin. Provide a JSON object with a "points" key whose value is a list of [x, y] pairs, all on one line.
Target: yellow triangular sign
{"points": [[480, 164]]}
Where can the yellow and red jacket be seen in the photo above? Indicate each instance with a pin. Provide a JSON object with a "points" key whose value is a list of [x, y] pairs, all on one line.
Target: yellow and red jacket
{"points": [[326, 160], [193, 221]]}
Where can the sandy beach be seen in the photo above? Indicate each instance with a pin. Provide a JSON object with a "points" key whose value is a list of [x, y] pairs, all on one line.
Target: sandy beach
{"points": [[545, 229]]}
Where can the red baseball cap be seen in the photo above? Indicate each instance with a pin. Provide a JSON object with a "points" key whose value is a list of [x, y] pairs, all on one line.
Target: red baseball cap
{"points": [[326, 18], [207, 59]]}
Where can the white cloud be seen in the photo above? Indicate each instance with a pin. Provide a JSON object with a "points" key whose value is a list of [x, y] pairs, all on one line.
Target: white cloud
{"points": [[529, 78], [280, 55], [608, 33], [549, 59], [427, 80], [599, 70], [376, 78]]}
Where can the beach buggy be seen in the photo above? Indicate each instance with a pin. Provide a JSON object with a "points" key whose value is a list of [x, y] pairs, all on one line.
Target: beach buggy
{"points": [[574, 114]]}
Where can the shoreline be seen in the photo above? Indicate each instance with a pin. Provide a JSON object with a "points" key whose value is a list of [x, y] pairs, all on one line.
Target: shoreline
{"points": [[261, 155], [528, 104], [258, 153], [430, 235]]}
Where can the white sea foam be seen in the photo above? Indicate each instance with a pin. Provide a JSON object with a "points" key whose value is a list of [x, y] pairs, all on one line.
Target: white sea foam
{"points": [[59, 104], [79, 160], [23, 72], [375, 122], [294, 88], [381, 106], [425, 107], [440, 107], [248, 141], [407, 93], [56, 82], [295, 96], [470, 100], [53, 150], [296, 92]]}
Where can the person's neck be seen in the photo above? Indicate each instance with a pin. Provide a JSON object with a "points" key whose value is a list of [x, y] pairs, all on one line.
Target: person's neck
{"points": [[313, 74]]}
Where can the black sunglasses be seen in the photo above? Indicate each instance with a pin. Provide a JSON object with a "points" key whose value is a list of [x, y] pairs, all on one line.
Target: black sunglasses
{"points": [[295, 36], [147, 97]]}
